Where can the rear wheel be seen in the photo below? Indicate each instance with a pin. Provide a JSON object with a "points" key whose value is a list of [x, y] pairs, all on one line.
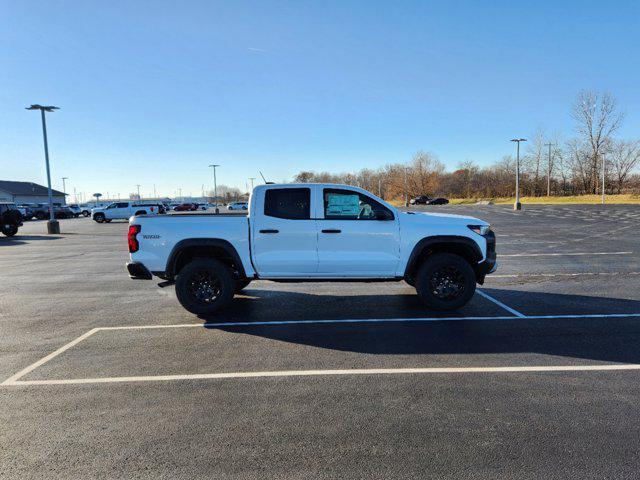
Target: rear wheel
{"points": [[10, 230], [445, 281], [204, 286], [86, 213], [141, 212]]}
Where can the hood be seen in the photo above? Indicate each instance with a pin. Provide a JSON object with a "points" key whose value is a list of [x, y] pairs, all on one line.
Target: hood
{"points": [[439, 219]]}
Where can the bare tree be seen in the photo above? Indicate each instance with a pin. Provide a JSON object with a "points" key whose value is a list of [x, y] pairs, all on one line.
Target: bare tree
{"points": [[624, 157], [598, 117]]}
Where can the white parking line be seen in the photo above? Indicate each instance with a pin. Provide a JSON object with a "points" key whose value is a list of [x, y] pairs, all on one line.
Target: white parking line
{"points": [[355, 371], [499, 303], [563, 254], [526, 275]]}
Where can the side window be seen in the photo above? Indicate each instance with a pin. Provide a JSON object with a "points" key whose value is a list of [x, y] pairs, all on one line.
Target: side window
{"points": [[350, 205], [291, 203], [123, 205], [113, 205]]}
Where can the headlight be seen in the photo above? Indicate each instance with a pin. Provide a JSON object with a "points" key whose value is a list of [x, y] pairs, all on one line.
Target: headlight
{"points": [[480, 229]]}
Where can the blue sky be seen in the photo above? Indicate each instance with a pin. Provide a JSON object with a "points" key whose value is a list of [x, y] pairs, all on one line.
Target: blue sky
{"points": [[153, 92]]}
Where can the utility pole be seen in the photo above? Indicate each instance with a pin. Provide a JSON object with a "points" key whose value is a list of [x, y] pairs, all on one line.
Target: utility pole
{"points": [[603, 162], [138, 191], [154, 191], [252, 179], [517, 205], [215, 186], [52, 225], [64, 188], [549, 170]]}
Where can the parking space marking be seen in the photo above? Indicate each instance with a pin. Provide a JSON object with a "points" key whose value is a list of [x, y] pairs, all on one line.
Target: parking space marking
{"points": [[571, 254], [499, 303], [355, 371], [525, 275], [51, 356]]}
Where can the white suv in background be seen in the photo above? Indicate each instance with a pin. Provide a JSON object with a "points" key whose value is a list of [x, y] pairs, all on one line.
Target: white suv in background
{"points": [[124, 210], [237, 206]]}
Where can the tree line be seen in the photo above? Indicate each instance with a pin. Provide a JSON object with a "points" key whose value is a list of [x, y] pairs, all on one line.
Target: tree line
{"points": [[549, 164]]}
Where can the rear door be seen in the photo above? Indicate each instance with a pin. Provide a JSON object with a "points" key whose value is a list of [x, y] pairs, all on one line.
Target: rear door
{"points": [[284, 238], [357, 236]]}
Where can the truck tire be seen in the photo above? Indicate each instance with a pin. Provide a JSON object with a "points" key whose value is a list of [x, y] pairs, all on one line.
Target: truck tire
{"points": [[242, 284], [141, 212], [204, 286], [41, 215], [85, 213], [445, 281], [99, 217], [9, 230]]}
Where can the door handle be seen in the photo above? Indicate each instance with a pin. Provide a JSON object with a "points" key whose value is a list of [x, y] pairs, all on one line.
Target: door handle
{"points": [[269, 231], [331, 231]]}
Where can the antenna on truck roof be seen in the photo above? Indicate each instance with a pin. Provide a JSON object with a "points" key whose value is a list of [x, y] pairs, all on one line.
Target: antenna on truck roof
{"points": [[265, 180]]}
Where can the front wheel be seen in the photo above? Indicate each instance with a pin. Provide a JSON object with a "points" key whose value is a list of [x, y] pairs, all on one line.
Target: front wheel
{"points": [[86, 214], [99, 217], [204, 286], [445, 281], [10, 230]]}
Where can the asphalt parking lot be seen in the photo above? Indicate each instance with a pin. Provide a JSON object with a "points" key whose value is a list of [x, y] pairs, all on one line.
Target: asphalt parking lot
{"points": [[538, 377]]}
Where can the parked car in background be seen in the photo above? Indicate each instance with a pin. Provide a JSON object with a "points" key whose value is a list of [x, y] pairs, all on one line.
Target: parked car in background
{"points": [[425, 200], [10, 218], [124, 210], [75, 208], [26, 211], [62, 211], [85, 210], [40, 210], [237, 206], [438, 201], [186, 207]]}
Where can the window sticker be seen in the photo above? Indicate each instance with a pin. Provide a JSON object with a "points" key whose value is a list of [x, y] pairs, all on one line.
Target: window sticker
{"points": [[344, 205]]}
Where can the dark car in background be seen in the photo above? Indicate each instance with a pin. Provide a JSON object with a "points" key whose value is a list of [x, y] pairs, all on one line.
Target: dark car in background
{"points": [[27, 212], [425, 200], [186, 207], [10, 219]]}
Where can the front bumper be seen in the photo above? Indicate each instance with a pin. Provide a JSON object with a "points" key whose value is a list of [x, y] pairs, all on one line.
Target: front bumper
{"points": [[490, 263], [138, 271]]}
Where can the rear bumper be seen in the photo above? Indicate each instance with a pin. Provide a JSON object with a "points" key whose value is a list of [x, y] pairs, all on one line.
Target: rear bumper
{"points": [[138, 271]]}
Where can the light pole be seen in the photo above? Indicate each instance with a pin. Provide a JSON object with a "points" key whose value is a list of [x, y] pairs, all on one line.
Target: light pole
{"points": [[603, 161], [517, 205], [215, 186], [549, 170], [138, 191], [252, 179], [52, 225], [64, 188]]}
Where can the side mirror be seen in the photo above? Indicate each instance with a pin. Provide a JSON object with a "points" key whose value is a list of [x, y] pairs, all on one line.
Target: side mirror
{"points": [[384, 215]]}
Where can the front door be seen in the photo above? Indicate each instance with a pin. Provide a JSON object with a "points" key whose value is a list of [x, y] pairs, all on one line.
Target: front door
{"points": [[284, 234], [357, 237]]}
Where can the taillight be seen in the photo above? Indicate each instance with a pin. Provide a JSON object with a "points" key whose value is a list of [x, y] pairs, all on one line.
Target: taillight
{"points": [[134, 246]]}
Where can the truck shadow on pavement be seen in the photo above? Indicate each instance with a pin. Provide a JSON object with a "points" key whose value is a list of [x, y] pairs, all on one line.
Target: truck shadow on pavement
{"points": [[602, 339], [21, 239]]}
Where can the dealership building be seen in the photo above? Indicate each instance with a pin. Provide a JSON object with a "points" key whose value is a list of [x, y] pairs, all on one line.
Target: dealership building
{"points": [[27, 192]]}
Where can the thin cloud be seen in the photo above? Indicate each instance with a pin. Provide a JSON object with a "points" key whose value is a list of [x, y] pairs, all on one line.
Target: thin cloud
{"points": [[257, 50]]}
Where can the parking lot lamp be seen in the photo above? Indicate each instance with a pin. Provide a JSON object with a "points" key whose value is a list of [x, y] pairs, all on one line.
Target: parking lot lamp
{"points": [[215, 186], [138, 191], [517, 205], [52, 225], [603, 161]]}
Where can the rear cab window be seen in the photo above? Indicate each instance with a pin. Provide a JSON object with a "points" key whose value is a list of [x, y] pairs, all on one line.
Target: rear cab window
{"points": [[288, 203]]}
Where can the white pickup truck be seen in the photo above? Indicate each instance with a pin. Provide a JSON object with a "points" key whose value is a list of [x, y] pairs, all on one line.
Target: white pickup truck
{"points": [[124, 210], [307, 233]]}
